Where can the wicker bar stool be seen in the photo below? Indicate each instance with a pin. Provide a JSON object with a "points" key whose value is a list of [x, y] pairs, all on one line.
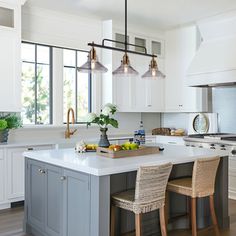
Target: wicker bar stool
{"points": [[202, 184], [148, 195]]}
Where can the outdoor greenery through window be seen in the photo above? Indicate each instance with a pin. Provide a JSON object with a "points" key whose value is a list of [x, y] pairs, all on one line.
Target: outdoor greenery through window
{"points": [[77, 86], [37, 67], [36, 84]]}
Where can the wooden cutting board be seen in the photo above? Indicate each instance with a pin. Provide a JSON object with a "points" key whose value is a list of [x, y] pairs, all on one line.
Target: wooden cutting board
{"points": [[143, 150]]}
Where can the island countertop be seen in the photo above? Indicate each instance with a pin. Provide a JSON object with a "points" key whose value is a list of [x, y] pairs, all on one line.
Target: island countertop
{"points": [[93, 164]]}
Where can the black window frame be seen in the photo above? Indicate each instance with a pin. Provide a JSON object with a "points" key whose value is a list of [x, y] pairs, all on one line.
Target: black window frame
{"points": [[51, 47], [76, 83], [36, 63]]}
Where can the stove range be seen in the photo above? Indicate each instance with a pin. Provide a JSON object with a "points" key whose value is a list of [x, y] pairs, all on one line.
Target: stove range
{"points": [[218, 141]]}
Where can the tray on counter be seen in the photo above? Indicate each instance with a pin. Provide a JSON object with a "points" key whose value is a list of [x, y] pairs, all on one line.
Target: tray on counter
{"points": [[143, 150]]}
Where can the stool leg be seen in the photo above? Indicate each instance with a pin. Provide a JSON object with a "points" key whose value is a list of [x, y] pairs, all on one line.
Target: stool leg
{"points": [[138, 224], [113, 214], [193, 217], [167, 208], [162, 221], [213, 215], [189, 211]]}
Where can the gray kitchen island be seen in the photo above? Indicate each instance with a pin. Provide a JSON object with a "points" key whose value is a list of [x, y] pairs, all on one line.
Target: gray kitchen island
{"points": [[68, 194]]}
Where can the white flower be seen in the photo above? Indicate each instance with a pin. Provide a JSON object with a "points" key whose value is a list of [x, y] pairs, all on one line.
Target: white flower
{"points": [[106, 111], [111, 106], [91, 117]]}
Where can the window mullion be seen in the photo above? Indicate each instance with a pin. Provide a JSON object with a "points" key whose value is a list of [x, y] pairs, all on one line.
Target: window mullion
{"points": [[76, 85], [36, 86], [51, 86]]}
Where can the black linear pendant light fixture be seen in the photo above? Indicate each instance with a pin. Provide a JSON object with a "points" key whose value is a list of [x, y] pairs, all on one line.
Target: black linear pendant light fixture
{"points": [[125, 69]]}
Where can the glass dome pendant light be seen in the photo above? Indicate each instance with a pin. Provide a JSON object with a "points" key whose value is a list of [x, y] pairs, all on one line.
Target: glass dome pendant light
{"points": [[153, 71], [92, 64], [125, 69]]}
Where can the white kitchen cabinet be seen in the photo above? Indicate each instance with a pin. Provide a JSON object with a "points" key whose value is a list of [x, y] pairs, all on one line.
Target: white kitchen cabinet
{"points": [[181, 45], [132, 94], [173, 140], [10, 59], [2, 180], [16, 171]]}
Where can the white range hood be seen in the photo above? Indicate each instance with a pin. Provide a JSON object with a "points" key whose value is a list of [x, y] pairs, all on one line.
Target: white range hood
{"points": [[215, 61]]}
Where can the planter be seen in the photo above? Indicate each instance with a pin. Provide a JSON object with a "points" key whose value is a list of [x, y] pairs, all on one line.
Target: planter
{"points": [[4, 135], [103, 142]]}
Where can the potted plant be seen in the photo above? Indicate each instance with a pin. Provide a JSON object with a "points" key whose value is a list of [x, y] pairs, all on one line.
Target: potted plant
{"points": [[7, 122], [104, 119]]}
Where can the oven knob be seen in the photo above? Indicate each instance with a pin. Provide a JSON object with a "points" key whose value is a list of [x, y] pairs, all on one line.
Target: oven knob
{"points": [[200, 146], [212, 146], [222, 147], [192, 145], [233, 152]]}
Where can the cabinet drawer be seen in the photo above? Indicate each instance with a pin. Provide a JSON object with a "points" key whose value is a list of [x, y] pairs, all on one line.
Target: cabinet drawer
{"points": [[170, 140]]}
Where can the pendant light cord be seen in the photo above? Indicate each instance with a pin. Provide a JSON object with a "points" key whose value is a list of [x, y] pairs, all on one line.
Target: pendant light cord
{"points": [[126, 25]]}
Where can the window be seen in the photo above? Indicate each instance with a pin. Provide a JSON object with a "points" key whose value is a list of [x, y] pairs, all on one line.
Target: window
{"points": [[36, 84], [77, 86]]}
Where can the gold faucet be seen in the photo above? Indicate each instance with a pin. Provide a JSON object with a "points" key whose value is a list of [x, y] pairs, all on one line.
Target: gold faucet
{"points": [[68, 132]]}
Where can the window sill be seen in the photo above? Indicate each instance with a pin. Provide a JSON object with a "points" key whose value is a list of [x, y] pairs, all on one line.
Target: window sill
{"points": [[54, 127]]}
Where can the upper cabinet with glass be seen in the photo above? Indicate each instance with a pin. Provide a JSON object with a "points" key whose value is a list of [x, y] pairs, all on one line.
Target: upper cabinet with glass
{"points": [[140, 44], [6, 17], [157, 48], [132, 94]]}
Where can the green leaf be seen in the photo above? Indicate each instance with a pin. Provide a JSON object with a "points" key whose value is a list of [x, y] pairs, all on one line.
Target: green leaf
{"points": [[114, 123]]}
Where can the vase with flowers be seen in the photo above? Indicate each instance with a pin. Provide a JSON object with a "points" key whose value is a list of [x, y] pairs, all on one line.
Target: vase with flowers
{"points": [[103, 120]]}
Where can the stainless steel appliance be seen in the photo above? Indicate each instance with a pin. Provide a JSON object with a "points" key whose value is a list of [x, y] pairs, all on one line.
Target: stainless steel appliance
{"points": [[218, 141]]}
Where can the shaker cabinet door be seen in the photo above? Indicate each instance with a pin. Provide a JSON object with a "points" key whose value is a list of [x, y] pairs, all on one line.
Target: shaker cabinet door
{"points": [[36, 194], [54, 187], [76, 204]]}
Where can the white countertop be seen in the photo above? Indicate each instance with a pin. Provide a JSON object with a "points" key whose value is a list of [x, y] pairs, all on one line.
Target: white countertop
{"points": [[91, 163]]}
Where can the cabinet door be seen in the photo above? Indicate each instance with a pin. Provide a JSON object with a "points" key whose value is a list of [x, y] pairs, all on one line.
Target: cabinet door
{"points": [[2, 176], [76, 204], [181, 45], [53, 217], [36, 194], [10, 71], [16, 171], [174, 72], [10, 60], [124, 87]]}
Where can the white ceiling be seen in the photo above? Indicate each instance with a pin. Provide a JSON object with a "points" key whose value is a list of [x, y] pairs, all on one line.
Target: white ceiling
{"points": [[161, 14]]}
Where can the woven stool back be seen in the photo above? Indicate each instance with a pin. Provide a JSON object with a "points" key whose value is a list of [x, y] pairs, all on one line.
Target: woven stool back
{"points": [[204, 174], [151, 184]]}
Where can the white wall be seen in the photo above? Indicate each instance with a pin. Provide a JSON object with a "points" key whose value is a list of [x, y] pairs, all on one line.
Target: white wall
{"points": [[175, 120], [60, 29]]}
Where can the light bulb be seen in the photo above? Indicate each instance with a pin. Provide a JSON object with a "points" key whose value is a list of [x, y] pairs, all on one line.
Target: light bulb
{"points": [[154, 72], [93, 64], [125, 69]]}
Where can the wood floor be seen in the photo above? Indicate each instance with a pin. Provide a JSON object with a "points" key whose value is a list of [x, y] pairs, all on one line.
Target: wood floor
{"points": [[11, 224]]}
